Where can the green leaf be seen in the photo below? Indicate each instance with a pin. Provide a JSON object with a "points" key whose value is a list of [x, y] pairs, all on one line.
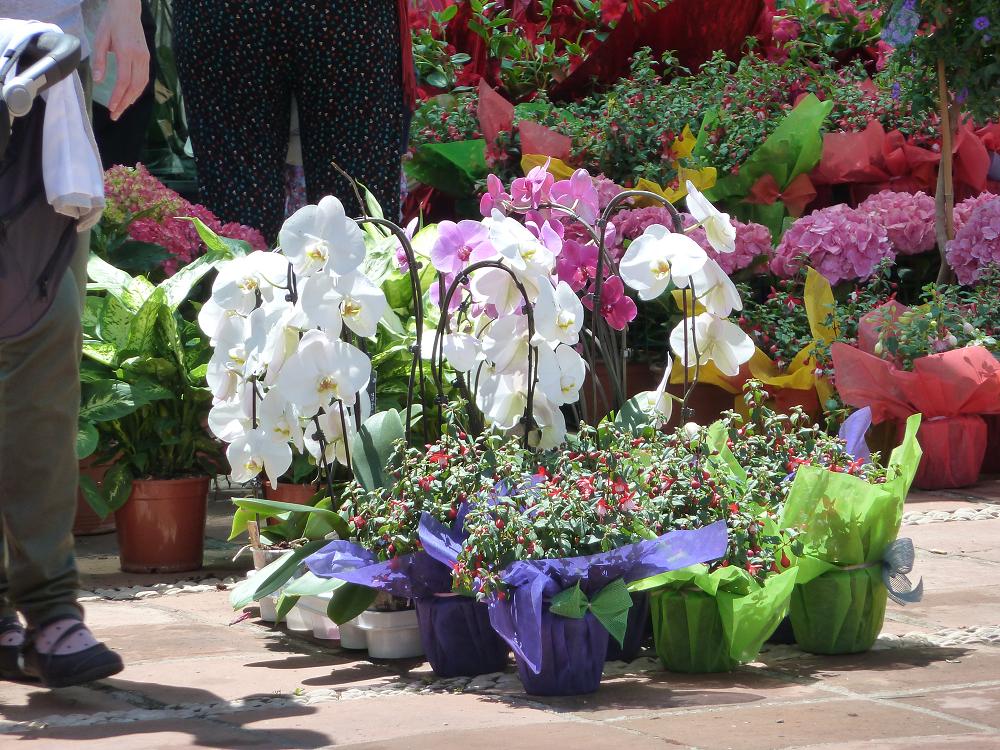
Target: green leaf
{"points": [[86, 440], [349, 601], [105, 401], [273, 576], [117, 486], [100, 351], [142, 331], [453, 168], [241, 518], [632, 417], [138, 257], [221, 246], [113, 322], [115, 281], [717, 437], [310, 584], [284, 606], [373, 447], [177, 288], [95, 499]]}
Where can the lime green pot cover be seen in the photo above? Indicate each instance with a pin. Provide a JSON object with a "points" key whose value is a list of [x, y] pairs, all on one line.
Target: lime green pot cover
{"points": [[688, 632], [839, 612]]}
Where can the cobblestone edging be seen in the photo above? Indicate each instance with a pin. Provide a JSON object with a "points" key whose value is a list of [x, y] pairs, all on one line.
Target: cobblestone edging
{"points": [[980, 513], [496, 684], [128, 593]]}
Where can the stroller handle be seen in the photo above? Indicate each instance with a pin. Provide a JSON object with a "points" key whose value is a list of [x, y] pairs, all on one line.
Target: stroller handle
{"points": [[56, 56]]}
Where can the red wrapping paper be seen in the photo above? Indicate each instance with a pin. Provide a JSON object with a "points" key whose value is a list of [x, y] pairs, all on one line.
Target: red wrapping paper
{"points": [[953, 390], [538, 139]]}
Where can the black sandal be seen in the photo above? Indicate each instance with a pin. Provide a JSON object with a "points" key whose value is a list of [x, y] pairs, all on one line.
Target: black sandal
{"points": [[10, 668], [65, 670]]}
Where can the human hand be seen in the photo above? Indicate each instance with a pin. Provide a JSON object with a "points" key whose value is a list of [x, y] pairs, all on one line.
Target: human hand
{"points": [[120, 31]]}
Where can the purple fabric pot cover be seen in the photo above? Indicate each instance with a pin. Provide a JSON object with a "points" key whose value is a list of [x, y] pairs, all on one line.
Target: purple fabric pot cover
{"points": [[458, 639], [572, 657], [406, 577], [636, 633]]}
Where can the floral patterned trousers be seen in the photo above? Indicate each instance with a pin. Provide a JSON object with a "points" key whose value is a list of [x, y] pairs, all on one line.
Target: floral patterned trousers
{"points": [[240, 62]]}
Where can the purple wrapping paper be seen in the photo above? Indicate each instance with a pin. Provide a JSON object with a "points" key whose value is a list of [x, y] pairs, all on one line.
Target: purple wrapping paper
{"points": [[406, 577], [572, 654], [853, 432], [457, 636], [636, 631], [518, 618]]}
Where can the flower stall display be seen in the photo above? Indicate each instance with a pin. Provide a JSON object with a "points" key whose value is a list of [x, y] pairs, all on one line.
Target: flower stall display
{"points": [[851, 559], [975, 251], [931, 359]]}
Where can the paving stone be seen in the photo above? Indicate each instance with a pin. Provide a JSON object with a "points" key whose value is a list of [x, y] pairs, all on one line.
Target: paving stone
{"points": [[791, 725], [978, 704], [893, 671], [975, 539], [403, 719], [31, 702]]}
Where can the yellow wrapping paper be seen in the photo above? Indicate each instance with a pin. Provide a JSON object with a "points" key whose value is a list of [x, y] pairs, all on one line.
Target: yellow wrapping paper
{"points": [[800, 373]]}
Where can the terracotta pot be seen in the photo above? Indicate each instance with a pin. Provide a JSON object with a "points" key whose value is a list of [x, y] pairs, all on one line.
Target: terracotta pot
{"points": [[161, 529], [87, 522], [286, 492]]}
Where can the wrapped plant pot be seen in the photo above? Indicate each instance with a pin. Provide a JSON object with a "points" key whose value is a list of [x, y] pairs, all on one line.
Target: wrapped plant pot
{"points": [[851, 558], [991, 461], [713, 622], [636, 631], [959, 448], [458, 639], [573, 654]]}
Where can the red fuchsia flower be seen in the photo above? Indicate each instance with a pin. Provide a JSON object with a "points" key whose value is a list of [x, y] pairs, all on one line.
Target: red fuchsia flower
{"points": [[785, 29], [976, 246], [840, 242], [617, 308], [908, 219]]}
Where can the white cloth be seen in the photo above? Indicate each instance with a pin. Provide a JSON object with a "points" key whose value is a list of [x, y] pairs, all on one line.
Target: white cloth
{"points": [[71, 163]]}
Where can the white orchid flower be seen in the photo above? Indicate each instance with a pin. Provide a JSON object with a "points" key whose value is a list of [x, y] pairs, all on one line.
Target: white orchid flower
{"points": [[715, 290], [321, 371], [528, 257], [558, 314], [716, 339], [656, 257], [322, 237], [658, 403], [572, 372], [505, 343], [226, 370], [282, 342], [550, 424], [719, 229], [254, 452], [501, 397], [332, 423], [243, 282], [231, 419], [329, 301], [279, 419], [462, 350], [219, 323]]}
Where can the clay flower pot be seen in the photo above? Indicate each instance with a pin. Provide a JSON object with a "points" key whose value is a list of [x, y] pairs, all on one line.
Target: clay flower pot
{"points": [[161, 529], [87, 522]]}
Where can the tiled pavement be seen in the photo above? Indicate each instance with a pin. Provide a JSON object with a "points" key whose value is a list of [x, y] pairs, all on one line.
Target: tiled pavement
{"points": [[195, 680]]}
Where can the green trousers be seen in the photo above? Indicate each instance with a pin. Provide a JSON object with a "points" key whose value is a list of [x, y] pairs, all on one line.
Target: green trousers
{"points": [[39, 405], [39, 471]]}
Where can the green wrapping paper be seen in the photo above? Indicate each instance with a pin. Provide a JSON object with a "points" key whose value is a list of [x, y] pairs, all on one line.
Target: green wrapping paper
{"points": [[846, 525], [712, 622]]}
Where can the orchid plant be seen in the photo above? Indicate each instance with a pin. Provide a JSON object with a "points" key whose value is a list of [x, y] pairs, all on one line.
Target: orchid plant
{"points": [[516, 286]]}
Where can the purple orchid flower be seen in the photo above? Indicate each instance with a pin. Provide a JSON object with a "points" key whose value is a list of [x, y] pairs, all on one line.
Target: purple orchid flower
{"points": [[617, 307], [527, 193], [460, 244], [576, 264], [495, 198], [579, 194]]}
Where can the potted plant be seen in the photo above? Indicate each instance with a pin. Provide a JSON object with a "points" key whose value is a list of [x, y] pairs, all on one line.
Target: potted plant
{"points": [[851, 560], [161, 457]]}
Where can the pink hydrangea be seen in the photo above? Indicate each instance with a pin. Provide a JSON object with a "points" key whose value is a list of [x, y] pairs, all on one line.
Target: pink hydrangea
{"points": [[964, 209], [840, 242], [129, 191], [977, 244], [606, 190], [908, 219], [753, 241]]}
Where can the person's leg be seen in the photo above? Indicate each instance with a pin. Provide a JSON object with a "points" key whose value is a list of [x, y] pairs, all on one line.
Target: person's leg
{"points": [[349, 91], [237, 98], [39, 403]]}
